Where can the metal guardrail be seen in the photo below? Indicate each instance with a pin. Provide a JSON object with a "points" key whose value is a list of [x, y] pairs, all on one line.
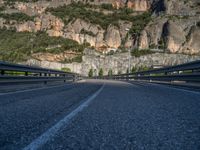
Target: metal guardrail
{"points": [[14, 73], [188, 72]]}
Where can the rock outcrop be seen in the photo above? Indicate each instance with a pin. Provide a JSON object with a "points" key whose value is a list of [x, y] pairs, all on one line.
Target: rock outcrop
{"points": [[67, 55], [112, 37], [139, 5], [192, 44], [174, 36], [82, 31], [117, 63], [46, 22], [136, 5]]}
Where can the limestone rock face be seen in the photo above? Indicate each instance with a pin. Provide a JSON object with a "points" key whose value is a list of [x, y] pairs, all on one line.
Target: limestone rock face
{"points": [[139, 5], [143, 43], [47, 22], [174, 36], [152, 34], [116, 62], [39, 7], [136, 5], [27, 26], [55, 57], [178, 7], [82, 31], [119, 4], [124, 26], [112, 37], [50, 22], [192, 45]]}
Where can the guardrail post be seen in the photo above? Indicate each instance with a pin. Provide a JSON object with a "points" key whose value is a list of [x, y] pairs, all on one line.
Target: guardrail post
{"points": [[64, 78], [2, 72], [74, 78], [26, 73], [127, 77], [45, 82]]}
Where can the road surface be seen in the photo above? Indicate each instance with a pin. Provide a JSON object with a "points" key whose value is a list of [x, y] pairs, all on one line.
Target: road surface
{"points": [[101, 115]]}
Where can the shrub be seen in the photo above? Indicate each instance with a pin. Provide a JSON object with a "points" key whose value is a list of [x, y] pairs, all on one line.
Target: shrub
{"points": [[90, 74], [16, 16], [107, 6], [138, 53], [66, 69], [110, 73], [134, 69], [101, 72]]}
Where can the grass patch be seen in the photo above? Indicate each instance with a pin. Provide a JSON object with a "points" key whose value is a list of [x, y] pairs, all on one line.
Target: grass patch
{"points": [[19, 46]]}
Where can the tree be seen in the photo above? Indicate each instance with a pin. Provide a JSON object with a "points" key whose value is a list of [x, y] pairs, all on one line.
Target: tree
{"points": [[90, 74], [110, 73], [134, 69], [101, 72], [127, 70]]}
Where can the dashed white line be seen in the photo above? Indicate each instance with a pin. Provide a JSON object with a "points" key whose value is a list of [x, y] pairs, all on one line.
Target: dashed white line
{"points": [[50, 133]]}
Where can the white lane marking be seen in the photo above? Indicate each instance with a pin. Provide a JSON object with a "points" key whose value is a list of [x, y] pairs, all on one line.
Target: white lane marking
{"points": [[50, 133], [35, 89]]}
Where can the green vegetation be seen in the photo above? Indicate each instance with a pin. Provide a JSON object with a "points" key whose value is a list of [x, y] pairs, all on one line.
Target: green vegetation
{"points": [[101, 72], [10, 2], [66, 69], [198, 24], [138, 53], [110, 72], [143, 68], [90, 74], [19, 46], [140, 68], [16, 16], [2, 8], [107, 6], [75, 59], [134, 69], [79, 10], [139, 23]]}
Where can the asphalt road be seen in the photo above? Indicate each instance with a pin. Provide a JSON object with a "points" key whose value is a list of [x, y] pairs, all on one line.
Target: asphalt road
{"points": [[94, 115]]}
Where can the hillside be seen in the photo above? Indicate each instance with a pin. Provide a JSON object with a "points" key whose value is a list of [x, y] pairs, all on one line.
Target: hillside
{"points": [[65, 31]]}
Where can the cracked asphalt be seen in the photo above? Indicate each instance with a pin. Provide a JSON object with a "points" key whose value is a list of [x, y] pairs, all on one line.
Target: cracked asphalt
{"points": [[124, 116]]}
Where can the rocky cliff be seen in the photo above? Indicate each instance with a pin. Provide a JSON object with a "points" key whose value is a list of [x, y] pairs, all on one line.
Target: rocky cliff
{"points": [[118, 63], [166, 26]]}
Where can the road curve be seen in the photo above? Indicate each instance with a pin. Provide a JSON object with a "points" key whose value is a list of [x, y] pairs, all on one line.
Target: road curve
{"points": [[122, 116]]}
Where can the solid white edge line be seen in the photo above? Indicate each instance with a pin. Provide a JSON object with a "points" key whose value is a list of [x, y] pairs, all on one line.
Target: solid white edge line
{"points": [[51, 132]]}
